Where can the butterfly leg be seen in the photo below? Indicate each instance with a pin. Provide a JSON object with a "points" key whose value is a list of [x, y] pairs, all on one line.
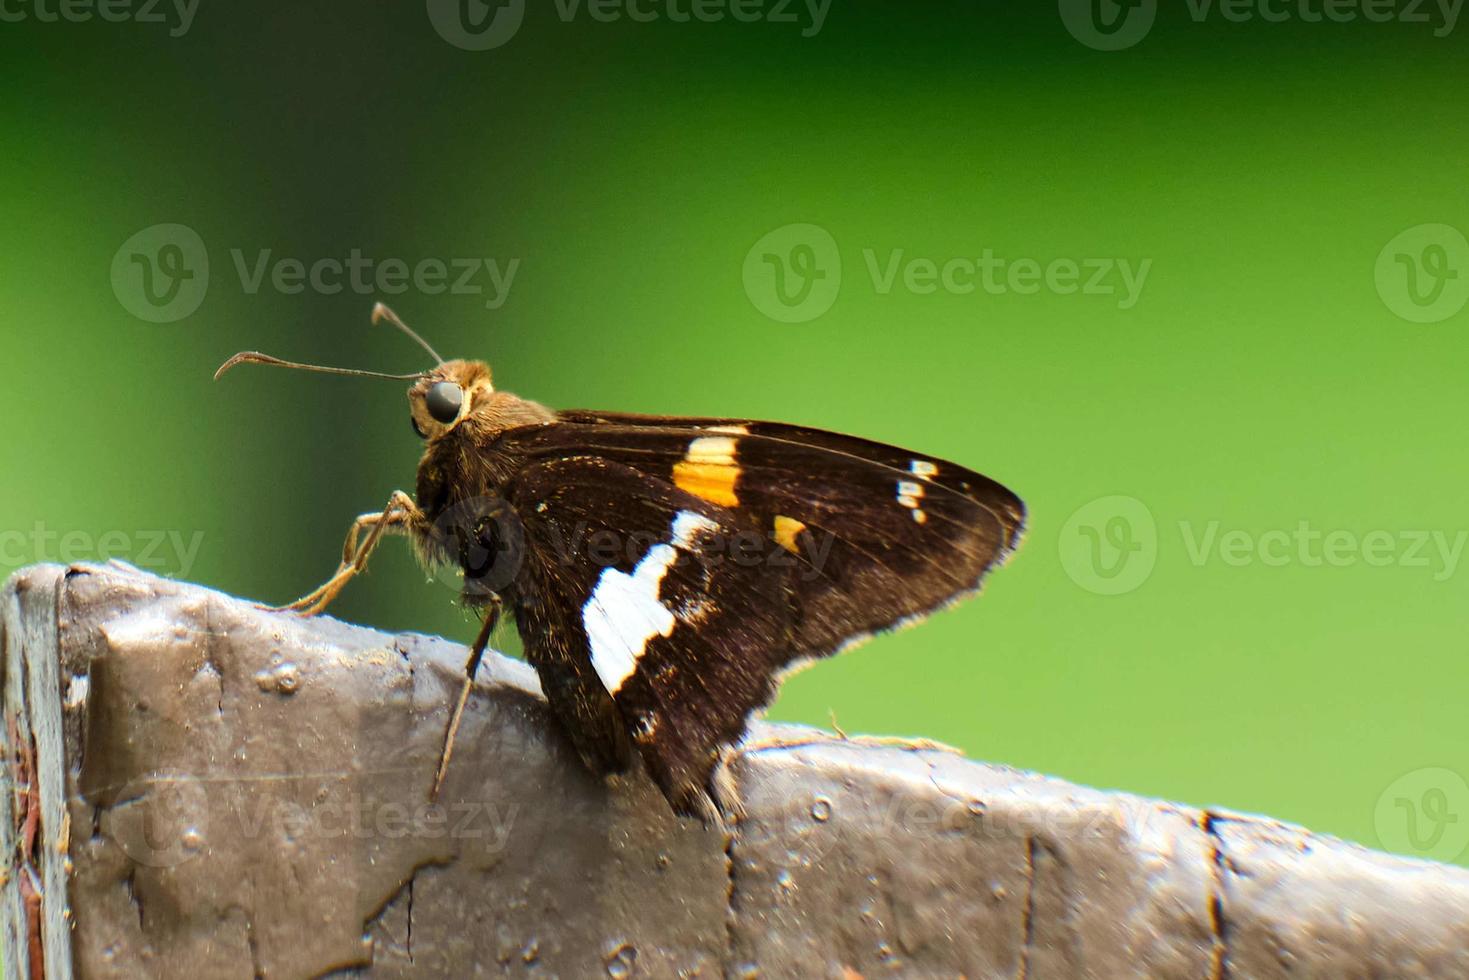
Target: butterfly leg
{"points": [[401, 513], [476, 653]]}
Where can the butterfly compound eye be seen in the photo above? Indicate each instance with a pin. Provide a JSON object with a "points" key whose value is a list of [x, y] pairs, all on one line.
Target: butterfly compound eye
{"points": [[444, 400]]}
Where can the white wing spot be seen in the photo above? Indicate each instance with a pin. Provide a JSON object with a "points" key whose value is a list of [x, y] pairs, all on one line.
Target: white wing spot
{"points": [[625, 610], [923, 468], [712, 451], [687, 524], [909, 494]]}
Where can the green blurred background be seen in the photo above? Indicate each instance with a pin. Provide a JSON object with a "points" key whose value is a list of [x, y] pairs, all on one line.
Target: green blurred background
{"points": [[1259, 379]]}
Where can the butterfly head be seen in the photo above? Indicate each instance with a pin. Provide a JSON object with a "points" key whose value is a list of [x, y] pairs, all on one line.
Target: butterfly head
{"points": [[447, 395]]}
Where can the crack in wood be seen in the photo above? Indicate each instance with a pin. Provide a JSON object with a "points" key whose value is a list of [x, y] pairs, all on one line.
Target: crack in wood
{"points": [[256, 969], [1218, 925], [731, 895], [409, 941], [209, 657], [1027, 912]]}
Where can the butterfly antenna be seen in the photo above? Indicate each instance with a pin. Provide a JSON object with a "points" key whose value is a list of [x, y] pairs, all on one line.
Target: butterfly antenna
{"points": [[255, 357], [381, 312]]}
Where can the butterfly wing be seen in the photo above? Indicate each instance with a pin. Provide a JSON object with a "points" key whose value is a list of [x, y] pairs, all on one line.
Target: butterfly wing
{"points": [[949, 475], [690, 562]]}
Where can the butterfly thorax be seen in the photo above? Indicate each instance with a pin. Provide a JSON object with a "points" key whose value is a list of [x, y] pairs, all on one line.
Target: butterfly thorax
{"points": [[462, 478]]}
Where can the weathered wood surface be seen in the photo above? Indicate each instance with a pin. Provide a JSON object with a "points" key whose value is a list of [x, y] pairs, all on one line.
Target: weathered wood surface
{"points": [[198, 788]]}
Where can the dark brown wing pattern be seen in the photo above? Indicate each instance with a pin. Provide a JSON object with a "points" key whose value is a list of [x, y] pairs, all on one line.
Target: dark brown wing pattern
{"points": [[678, 566]]}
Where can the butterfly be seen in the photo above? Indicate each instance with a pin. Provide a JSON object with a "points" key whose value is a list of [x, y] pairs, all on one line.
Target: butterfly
{"points": [[664, 572]]}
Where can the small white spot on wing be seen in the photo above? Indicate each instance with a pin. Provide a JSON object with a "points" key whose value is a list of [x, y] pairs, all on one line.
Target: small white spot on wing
{"points": [[712, 451], [909, 495]]}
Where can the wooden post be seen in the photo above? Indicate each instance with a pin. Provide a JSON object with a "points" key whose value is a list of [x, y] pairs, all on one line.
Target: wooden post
{"points": [[198, 788]]}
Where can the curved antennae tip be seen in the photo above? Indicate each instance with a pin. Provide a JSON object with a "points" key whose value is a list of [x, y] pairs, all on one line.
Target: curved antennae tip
{"points": [[382, 312], [240, 358]]}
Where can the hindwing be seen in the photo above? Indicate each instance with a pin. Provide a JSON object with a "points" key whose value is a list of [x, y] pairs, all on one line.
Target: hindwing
{"points": [[675, 567]]}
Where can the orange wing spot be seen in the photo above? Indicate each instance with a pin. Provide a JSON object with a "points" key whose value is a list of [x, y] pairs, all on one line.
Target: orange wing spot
{"points": [[713, 482], [786, 529], [709, 471]]}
